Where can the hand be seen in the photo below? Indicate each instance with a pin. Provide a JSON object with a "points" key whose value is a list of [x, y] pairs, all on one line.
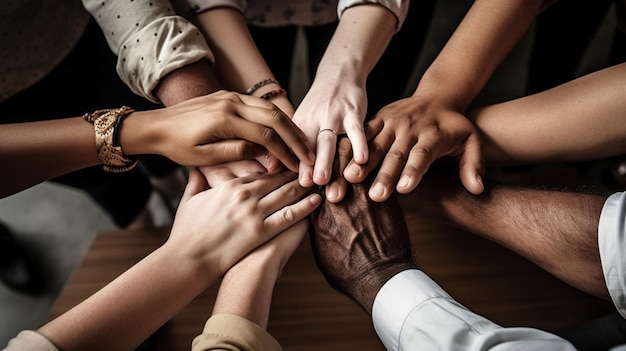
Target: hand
{"points": [[328, 109], [408, 136], [216, 128], [216, 175], [223, 224], [360, 244]]}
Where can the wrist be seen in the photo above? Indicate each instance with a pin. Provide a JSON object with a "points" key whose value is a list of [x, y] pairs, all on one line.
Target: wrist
{"points": [[364, 290], [443, 90], [138, 134], [196, 79]]}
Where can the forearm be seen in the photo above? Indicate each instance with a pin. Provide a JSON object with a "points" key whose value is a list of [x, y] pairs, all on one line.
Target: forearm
{"points": [[129, 309], [237, 67], [34, 152], [151, 43], [246, 291], [479, 44], [361, 37], [556, 230], [187, 82], [581, 120]]}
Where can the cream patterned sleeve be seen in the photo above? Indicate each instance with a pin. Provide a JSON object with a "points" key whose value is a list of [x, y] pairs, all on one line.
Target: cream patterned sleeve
{"points": [[149, 39], [399, 8], [188, 8]]}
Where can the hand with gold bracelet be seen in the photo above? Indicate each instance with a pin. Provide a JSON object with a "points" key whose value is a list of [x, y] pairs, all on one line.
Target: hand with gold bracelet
{"points": [[203, 131]]}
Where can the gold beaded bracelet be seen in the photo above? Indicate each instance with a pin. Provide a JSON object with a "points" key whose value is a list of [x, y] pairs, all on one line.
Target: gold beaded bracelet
{"points": [[106, 124], [260, 84]]}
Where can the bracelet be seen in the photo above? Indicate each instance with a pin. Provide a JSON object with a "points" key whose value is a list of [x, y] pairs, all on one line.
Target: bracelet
{"points": [[260, 84], [273, 93], [106, 124]]}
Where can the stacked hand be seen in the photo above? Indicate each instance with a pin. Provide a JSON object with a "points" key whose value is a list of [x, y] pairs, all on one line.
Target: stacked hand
{"points": [[359, 244], [406, 137], [216, 128], [242, 214]]}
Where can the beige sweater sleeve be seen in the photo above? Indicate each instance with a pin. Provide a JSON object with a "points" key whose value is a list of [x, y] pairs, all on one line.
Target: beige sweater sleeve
{"points": [[233, 333], [29, 340]]}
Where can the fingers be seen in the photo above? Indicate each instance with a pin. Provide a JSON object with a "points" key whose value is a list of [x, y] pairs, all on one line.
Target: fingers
{"points": [[264, 136], [281, 137], [282, 196], [392, 167], [216, 175], [359, 142], [195, 185], [336, 188], [471, 167], [326, 144], [291, 214], [379, 146]]}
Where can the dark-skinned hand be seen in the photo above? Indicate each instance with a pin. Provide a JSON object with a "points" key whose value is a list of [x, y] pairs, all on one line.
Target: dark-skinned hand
{"points": [[359, 244]]}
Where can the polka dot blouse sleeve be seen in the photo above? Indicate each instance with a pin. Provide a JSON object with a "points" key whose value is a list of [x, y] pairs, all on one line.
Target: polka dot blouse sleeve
{"points": [[188, 8], [149, 39], [399, 8]]}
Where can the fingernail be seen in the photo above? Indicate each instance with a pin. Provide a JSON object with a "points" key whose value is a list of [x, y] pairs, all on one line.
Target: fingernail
{"points": [[315, 199], [480, 180], [404, 181], [331, 192], [305, 177], [378, 190], [320, 175], [361, 157]]}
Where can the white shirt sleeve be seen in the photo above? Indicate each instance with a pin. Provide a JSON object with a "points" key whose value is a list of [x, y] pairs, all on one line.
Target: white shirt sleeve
{"points": [[399, 8], [149, 39], [412, 312], [612, 245]]}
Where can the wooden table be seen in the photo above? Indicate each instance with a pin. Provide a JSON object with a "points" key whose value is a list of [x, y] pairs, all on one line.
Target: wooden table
{"points": [[308, 315]]}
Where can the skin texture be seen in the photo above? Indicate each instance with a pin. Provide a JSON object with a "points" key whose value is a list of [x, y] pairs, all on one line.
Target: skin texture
{"points": [[337, 99], [578, 121], [557, 230], [254, 210], [37, 151], [409, 134], [359, 244], [238, 67]]}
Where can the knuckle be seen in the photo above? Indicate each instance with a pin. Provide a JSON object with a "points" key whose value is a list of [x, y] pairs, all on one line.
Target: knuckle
{"points": [[241, 194], [288, 214], [397, 155], [423, 153], [275, 114], [384, 177], [269, 135]]}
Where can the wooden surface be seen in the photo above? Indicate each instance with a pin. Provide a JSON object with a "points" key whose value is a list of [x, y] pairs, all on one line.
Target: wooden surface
{"points": [[308, 315]]}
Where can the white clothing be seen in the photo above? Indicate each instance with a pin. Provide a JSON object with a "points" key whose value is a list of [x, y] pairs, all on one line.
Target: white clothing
{"points": [[412, 312], [612, 245]]}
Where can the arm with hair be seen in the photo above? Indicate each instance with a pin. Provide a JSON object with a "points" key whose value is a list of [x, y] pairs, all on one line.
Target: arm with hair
{"points": [[557, 230]]}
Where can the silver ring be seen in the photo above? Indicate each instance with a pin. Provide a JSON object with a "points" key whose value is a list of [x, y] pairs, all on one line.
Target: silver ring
{"points": [[327, 130]]}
